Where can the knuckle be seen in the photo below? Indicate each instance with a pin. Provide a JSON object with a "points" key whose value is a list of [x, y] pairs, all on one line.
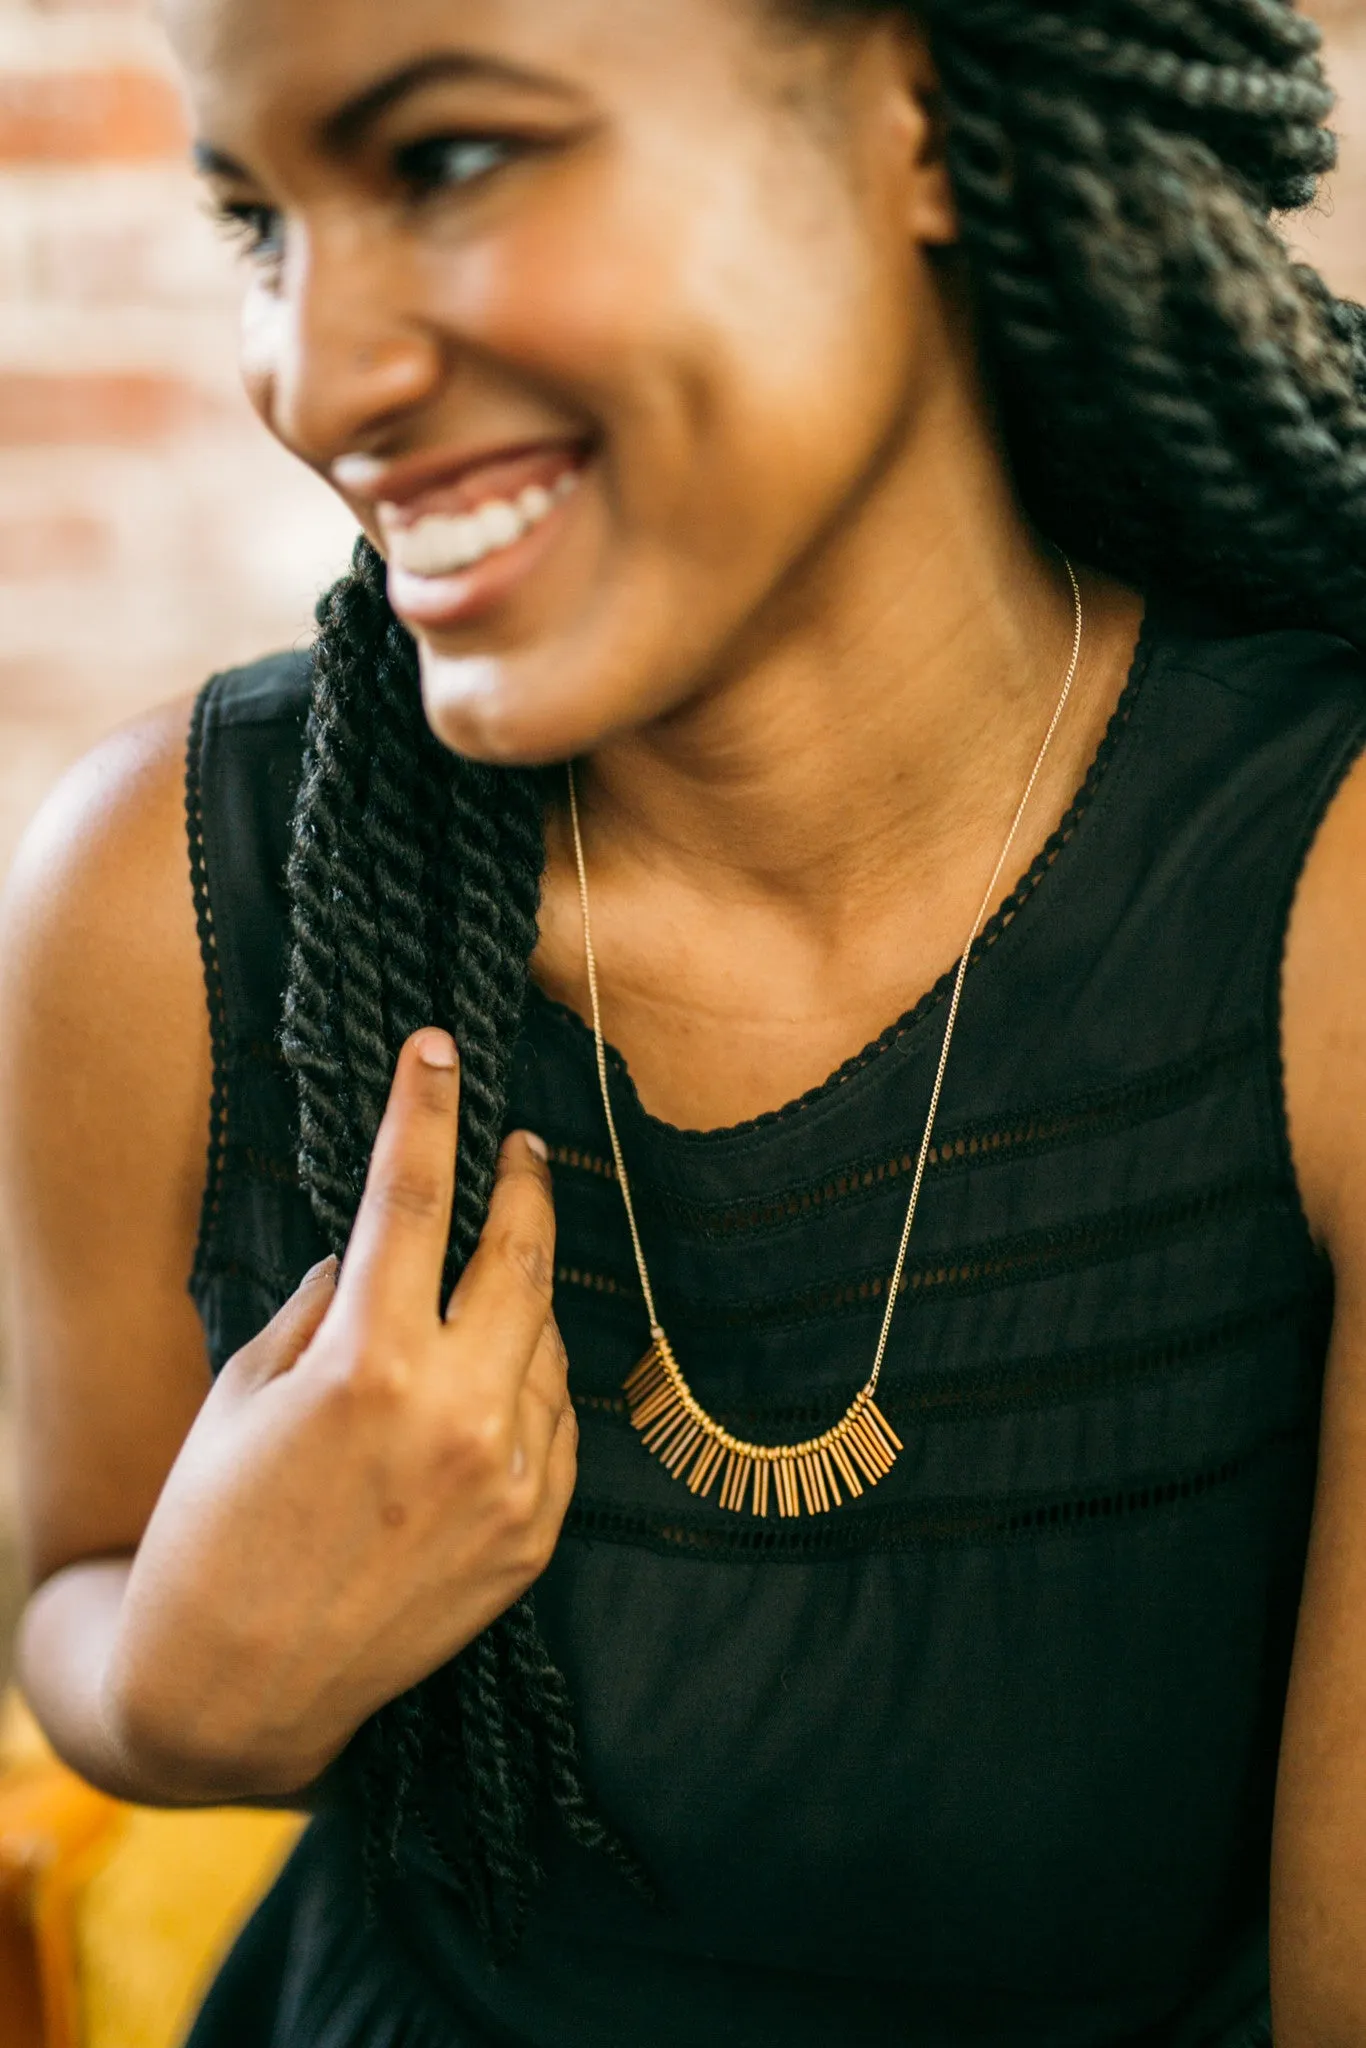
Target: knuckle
{"points": [[476, 1445], [379, 1375], [406, 1193]]}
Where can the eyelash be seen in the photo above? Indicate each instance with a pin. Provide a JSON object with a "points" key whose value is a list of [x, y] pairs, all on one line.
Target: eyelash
{"points": [[256, 228]]}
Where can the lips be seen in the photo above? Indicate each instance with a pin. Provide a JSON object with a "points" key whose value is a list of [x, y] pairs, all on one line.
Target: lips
{"points": [[442, 543], [461, 542], [405, 491]]}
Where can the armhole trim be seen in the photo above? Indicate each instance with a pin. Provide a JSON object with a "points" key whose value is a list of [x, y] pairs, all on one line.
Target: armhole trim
{"points": [[213, 987]]}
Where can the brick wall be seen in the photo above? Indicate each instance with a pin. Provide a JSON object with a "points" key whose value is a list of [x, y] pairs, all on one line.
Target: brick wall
{"points": [[149, 530]]}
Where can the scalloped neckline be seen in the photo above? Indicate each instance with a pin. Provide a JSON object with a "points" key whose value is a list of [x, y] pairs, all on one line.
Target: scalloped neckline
{"points": [[1009, 909]]}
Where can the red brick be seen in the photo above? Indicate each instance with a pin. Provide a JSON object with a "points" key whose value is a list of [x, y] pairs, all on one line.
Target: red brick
{"points": [[119, 115], [58, 544], [119, 410]]}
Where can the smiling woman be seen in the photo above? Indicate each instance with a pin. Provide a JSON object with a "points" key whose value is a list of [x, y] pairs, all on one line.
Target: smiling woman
{"points": [[867, 1560]]}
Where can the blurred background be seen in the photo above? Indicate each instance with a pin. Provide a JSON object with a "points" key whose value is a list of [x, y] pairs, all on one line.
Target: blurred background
{"points": [[149, 531]]}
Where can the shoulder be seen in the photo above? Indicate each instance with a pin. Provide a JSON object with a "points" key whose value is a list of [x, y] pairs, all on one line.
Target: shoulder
{"points": [[108, 847], [102, 1013], [1291, 674], [106, 1067], [101, 870], [1247, 736], [99, 913], [270, 693]]}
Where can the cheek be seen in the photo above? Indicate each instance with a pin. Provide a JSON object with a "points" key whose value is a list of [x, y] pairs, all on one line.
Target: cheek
{"points": [[563, 296], [723, 346]]}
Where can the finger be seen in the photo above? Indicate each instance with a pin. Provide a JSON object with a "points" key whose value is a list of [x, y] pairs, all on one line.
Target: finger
{"points": [[393, 1265], [500, 1305], [289, 1333]]}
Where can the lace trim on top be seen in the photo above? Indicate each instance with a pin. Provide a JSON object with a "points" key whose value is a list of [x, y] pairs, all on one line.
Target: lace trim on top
{"points": [[977, 1268], [1012, 1134], [1045, 1127], [1024, 1385]]}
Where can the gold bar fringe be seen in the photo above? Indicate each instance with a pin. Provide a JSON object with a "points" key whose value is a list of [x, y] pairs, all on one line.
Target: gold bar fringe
{"points": [[810, 1478]]}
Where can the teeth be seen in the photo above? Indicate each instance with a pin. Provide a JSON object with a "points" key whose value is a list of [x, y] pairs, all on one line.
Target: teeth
{"points": [[444, 543]]}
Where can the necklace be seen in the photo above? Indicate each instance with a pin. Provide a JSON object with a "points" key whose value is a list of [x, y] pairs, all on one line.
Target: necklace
{"points": [[824, 1471]]}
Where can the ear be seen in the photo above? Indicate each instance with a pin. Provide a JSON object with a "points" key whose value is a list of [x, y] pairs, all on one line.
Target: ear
{"points": [[915, 108]]}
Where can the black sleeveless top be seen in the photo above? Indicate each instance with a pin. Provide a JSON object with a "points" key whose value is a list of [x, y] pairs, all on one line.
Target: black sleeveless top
{"points": [[985, 1759]]}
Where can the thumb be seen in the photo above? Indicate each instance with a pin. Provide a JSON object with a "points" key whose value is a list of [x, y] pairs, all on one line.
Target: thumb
{"points": [[288, 1334]]}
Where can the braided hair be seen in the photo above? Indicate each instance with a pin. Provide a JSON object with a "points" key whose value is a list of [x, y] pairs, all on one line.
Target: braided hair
{"points": [[1183, 406], [414, 879]]}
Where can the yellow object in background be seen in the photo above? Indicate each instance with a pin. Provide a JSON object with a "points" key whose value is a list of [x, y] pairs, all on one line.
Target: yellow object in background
{"points": [[154, 1920], [113, 1918]]}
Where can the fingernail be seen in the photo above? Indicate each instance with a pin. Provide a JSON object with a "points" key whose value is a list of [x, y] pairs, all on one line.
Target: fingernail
{"points": [[537, 1145], [327, 1265], [436, 1049]]}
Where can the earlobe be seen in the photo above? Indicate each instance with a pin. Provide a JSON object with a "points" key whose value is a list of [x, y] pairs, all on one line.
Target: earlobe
{"points": [[931, 212], [933, 215]]}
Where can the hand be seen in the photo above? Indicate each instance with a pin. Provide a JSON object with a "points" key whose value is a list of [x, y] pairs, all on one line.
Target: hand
{"points": [[369, 1484]]}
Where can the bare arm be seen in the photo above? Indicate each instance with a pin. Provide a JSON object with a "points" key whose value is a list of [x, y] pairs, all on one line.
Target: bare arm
{"points": [[104, 1080], [230, 1579], [1319, 1860]]}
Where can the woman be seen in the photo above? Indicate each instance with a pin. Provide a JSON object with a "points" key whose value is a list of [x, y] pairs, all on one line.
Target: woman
{"points": [[836, 433]]}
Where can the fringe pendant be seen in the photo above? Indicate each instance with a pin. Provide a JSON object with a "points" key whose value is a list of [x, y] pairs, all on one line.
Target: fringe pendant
{"points": [[807, 1478]]}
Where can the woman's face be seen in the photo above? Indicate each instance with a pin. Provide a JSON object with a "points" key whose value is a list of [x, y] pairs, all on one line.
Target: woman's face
{"points": [[605, 316]]}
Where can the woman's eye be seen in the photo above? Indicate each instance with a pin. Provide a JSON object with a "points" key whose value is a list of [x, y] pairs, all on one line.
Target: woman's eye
{"points": [[256, 229], [448, 160]]}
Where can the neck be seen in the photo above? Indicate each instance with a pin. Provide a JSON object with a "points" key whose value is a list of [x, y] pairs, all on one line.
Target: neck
{"points": [[781, 865]]}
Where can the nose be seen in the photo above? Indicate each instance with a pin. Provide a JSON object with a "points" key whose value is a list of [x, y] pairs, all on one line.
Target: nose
{"points": [[338, 354]]}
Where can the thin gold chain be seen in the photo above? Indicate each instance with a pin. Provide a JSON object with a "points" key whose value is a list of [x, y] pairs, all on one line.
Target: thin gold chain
{"points": [[686, 1436]]}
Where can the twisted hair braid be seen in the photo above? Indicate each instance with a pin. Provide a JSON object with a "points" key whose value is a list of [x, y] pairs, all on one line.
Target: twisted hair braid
{"points": [[414, 879], [1183, 404]]}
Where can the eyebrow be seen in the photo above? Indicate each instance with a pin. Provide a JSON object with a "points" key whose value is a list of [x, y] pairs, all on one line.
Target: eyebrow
{"points": [[347, 126], [342, 130]]}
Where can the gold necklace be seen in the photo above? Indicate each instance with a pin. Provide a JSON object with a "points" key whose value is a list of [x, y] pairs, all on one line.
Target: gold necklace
{"points": [[823, 1471]]}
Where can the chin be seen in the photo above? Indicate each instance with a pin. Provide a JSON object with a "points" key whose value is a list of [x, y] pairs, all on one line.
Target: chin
{"points": [[489, 708]]}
